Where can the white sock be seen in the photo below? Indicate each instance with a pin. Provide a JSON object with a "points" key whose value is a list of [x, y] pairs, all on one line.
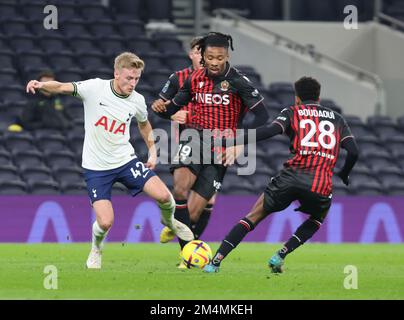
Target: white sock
{"points": [[167, 211], [98, 236]]}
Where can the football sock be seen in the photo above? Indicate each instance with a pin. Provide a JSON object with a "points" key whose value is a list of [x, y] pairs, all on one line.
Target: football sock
{"points": [[167, 210], [199, 227], [182, 215], [98, 236], [306, 230], [231, 241]]}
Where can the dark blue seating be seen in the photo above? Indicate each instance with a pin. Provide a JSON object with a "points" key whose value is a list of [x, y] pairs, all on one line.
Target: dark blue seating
{"points": [[59, 159], [168, 45], [74, 188], [5, 158], [177, 61], [284, 92], [43, 187], [63, 62], [36, 174], [112, 46], [55, 45], [94, 12], [8, 10], [52, 142], [8, 173], [15, 187], [16, 28], [159, 9], [27, 158], [6, 62], [68, 174], [266, 10], [103, 29], [18, 141], [75, 29]]}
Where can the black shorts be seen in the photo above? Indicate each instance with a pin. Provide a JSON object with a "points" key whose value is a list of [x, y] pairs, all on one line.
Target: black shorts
{"points": [[287, 187], [209, 176]]}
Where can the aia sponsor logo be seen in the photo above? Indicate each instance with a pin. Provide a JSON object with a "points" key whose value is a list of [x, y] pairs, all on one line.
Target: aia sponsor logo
{"points": [[116, 127]]}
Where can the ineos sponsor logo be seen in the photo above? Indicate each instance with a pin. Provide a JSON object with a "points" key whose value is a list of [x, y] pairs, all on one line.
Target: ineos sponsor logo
{"points": [[209, 98]]}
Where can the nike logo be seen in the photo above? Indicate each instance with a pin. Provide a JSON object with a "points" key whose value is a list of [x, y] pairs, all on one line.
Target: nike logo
{"points": [[102, 104]]}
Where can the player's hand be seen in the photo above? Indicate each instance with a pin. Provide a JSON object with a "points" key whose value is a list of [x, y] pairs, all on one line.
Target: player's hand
{"points": [[34, 85], [344, 177], [230, 154], [160, 105], [180, 116], [151, 162]]}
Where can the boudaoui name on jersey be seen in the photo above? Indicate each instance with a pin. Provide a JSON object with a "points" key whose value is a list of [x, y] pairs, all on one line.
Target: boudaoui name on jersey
{"points": [[317, 113]]}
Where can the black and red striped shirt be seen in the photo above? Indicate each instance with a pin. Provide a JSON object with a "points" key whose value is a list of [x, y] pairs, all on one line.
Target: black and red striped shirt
{"points": [[219, 102], [173, 85], [315, 133]]}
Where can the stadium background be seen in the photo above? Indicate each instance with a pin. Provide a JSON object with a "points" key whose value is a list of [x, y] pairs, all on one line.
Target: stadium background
{"points": [[42, 192]]}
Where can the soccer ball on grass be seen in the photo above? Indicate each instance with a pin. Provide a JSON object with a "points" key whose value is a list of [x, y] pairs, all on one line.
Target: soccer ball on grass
{"points": [[196, 254]]}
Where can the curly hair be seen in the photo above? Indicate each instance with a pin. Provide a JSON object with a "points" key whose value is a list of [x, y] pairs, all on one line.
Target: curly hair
{"points": [[214, 39]]}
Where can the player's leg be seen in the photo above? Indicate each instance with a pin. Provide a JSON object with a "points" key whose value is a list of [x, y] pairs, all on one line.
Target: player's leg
{"points": [[237, 234], [156, 189], [99, 186], [317, 207], [104, 219], [277, 196], [137, 178], [206, 186], [183, 179], [199, 226]]}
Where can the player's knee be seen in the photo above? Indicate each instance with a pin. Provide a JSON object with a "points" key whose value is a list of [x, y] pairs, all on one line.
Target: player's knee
{"points": [[180, 192], [105, 224], [166, 197]]}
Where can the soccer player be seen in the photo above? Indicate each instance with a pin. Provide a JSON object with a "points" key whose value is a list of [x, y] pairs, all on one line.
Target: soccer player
{"points": [[184, 117], [221, 95], [108, 156], [316, 134]]}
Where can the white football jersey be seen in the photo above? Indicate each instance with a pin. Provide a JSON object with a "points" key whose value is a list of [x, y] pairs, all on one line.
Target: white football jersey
{"points": [[107, 118]]}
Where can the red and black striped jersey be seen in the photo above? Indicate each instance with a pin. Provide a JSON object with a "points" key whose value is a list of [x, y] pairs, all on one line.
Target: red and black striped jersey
{"points": [[315, 133], [219, 102], [171, 87]]}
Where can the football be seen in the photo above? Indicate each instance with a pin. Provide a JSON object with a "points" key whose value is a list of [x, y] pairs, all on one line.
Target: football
{"points": [[196, 254]]}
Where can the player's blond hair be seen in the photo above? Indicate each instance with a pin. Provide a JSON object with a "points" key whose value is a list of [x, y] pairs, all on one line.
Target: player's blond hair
{"points": [[128, 60]]}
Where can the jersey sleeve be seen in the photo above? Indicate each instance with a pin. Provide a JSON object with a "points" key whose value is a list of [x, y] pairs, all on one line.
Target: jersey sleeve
{"points": [[84, 89], [141, 114], [170, 88], [345, 131], [284, 119], [184, 95], [248, 93]]}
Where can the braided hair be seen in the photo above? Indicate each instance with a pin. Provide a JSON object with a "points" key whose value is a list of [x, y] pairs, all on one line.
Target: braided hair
{"points": [[214, 39]]}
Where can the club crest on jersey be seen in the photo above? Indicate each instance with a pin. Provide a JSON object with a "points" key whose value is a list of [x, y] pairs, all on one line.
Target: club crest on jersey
{"points": [[224, 85], [111, 125]]}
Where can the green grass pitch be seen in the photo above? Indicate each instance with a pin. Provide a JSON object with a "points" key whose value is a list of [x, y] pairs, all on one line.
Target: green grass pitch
{"points": [[148, 271]]}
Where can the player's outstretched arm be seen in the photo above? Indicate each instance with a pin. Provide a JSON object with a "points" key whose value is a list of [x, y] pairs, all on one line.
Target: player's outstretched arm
{"points": [[260, 116], [349, 144], [53, 87], [146, 131]]}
